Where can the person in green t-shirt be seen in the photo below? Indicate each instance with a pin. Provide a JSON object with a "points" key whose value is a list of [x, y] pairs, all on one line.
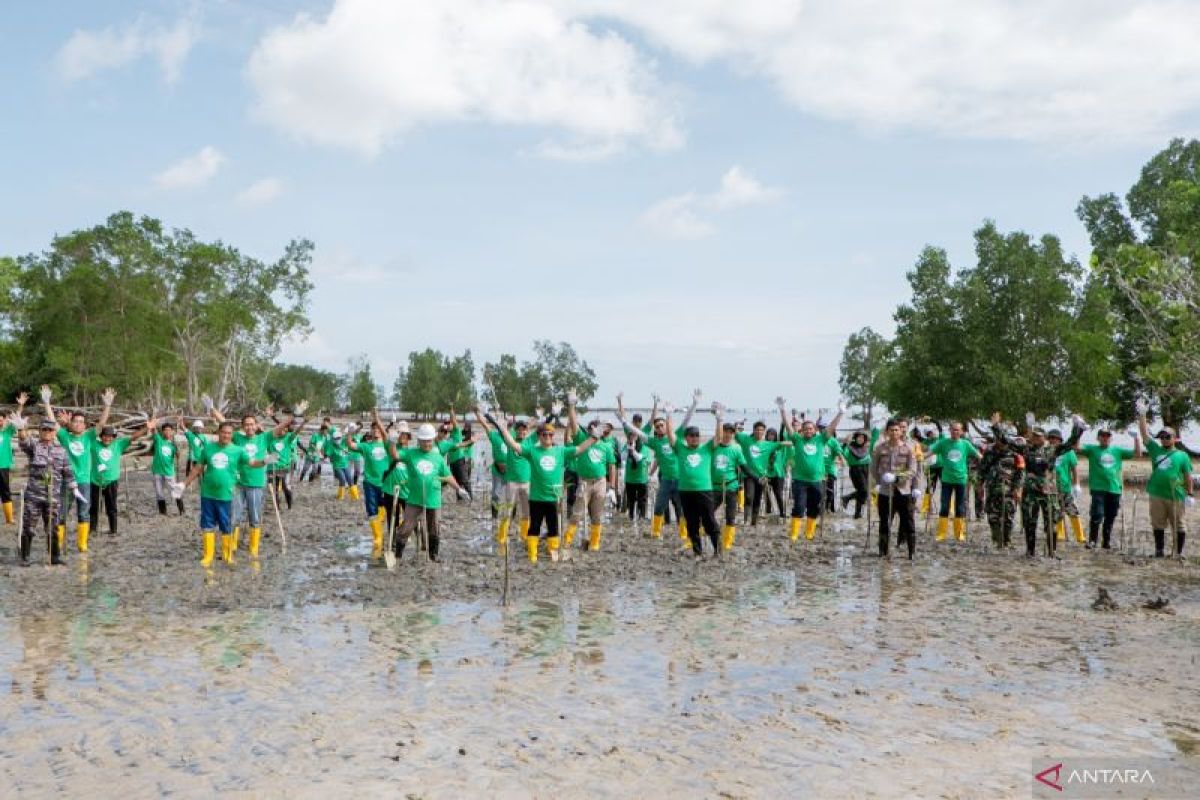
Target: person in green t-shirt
{"points": [[808, 469], [218, 469], [460, 457], [638, 457], [777, 472], [1105, 484], [694, 460], [953, 452], [547, 474], [162, 466], [106, 470], [395, 479], [595, 467], [354, 459], [758, 451], [373, 447], [515, 477], [833, 454], [728, 464], [1066, 477], [74, 434], [667, 498], [8, 429], [279, 474], [1170, 485], [427, 472], [857, 453], [313, 455], [252, 473]]}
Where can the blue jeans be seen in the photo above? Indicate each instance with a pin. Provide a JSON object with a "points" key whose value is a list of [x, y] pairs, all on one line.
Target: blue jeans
{"points": [[83, 507], [247, 505], [959, 490], [373, 498], [343, 475], [806, 498], [215, 515], [668, 492]]}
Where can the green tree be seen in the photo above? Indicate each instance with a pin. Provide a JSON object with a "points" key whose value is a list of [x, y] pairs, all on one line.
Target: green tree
{"points": [[555, 370], [864, 363], [419, 386], [458, 382], [505, 385], [289, 383], [361, 392]]}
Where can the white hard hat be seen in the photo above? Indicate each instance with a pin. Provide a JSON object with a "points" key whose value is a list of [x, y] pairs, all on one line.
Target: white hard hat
{"points": [[402, 426], [426, 433], [198, 423]]}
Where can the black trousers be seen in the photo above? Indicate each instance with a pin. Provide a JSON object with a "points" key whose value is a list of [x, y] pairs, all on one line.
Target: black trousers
{"points": [[858, 477], [901, 505], [109, 495], [756, 490], [1105, 506], [776, 484], [831, 493], [636, 495], [727, 498], [571, 481], [283, 485], [697, 512], [461, 470], [543, 511], [5, 488]]}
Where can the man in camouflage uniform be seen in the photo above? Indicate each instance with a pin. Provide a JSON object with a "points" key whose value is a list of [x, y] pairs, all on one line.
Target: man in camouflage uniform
{"points": [[1002, 471], [50, 475], [1039, 498]]}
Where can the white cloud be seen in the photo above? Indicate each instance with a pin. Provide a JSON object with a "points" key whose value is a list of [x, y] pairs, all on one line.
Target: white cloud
{"points": [[688, 216], [261, 192], [191, 171], [373, 69], [343, 267], [1048, 70], [89, 52]]}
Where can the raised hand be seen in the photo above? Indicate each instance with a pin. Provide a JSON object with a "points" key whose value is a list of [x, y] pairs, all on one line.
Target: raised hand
{"points": [[300, 408], [841, 406], [556, 408], [1140, 406], [46, 393], [572, 396], [781, 403], [107, 396], [1078, 422], [696, 395], [668, 408], [22, 399], [207, 402]]}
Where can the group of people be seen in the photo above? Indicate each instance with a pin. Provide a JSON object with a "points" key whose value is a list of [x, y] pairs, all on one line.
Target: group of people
{"points": [[551, 484]]}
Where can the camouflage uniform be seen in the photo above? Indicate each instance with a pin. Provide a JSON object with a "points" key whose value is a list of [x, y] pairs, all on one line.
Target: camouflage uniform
{"points": [[50, 474], [1040, 499], [1002, 472]]}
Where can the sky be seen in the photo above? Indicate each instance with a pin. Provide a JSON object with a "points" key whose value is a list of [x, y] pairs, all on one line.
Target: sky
{"points": [[690, 192]]}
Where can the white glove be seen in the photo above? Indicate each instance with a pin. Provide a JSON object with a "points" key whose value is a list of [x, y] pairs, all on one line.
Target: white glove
{"points": [[916, 493], [393, 417], [300, 408], [271, 458], [1140, 406], [463, 493], [612, 496], [79, 495], [781, 403], [888, 478], [655, 397], [1077, 490], [572, 397], [177, 490], [841, 406], [696, 395], [556, 408], [668, 408], [621, 395], [207, 402], [1189, 501], [393, 436], [107, 396], [1078, 422], [1030, 419], [717, 408], [46, 394]]}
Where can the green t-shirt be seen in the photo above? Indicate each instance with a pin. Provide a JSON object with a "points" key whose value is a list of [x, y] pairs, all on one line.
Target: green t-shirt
{"points": [[79, 452], [425, 471], [162, 461], [395, 481], [808, 457], [546, 466], [335, 448], [449, 446], [285, 447], [459, 453], [638, 472], [516, 468], [375, 461], [952, 457], [196, 443], [664, 454], [256, 448], [1062, 467], [106, 461], [354, 455], [1104, 467], [315, 442], [6, 450], [593, 462], [779, 462], [833, 449], [221, 467], [695, 465], [758, 454], [726, 460], [499, 453], [1170, 471]]}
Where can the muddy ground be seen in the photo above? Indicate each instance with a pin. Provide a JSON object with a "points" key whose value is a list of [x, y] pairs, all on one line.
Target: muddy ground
{"points": [[817, 669]]}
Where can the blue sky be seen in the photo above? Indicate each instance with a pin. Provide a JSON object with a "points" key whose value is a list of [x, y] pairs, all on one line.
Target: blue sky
{"points": [[691, 192]]}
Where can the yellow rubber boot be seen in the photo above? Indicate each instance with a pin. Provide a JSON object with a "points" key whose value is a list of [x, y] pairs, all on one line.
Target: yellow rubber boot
{"points": [[794, 533], [1077, 526], [1060, 531], [683, 534], [727, 536], [236, 540], [255, 540], [341, 492], [8, 512], [210, 546], [570, 537], [811, 529], [227, 547], [376, 533], [502, 532], [960, 529], [354, 495], [81, 535], [741, 499], [381, 513], [531, 547], [551, 545], [925, 504], [594, 538], [523, 526], [943, 524], [656, 526], [61, 533]]}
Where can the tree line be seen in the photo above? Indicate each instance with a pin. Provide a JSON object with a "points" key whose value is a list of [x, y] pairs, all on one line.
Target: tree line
{"points": [[1029, 328]]}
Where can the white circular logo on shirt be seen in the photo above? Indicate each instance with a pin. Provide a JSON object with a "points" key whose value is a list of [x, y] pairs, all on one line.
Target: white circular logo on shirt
{"points": [[954, 456], [547, 463], [722, 462], [76, 448], [425, 467], [755, 451], [1107, 461], [667, 450], [595, 456], [810, 449], [279, 447], [251, 448], [165, 450], [378, 453], [693, 460], [105, 455], [219, 460], [1164, 466]]}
